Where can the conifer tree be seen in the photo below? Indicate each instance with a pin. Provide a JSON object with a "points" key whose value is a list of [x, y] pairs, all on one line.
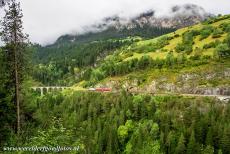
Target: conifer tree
{"points": [[192, 146], [225, 141], [15, 40], [220, 151], [209, 138], [171, 142], [180, 149], [208, 150]]}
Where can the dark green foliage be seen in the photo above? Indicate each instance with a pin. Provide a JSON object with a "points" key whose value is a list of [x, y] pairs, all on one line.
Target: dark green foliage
{"points": [[225, 27], [206, 31], [209, 137], [113, 68], [152, 47], [13, 59], [180, 149], [58, 66], [70, 52], [176, 35], [144, 62], [225, 141], [212, 44], [188, 37], [170, 59], [7, 108], [180, 47], [217, 33], [208, 150], [228, 40], [192, 144], [215, 19], [223, 50], [187, 42], [117, 123], [170, 142]]}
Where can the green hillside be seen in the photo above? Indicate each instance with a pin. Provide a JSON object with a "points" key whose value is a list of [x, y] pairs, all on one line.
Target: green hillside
{"points": [[203, 34], [56, 63], [196, 51], [164, 95]]}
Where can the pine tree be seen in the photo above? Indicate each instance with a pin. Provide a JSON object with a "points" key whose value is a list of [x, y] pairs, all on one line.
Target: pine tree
{"points": [[192, 146], [220, 151], [225, 141], [208, 150], [180, 149], [14, 51], [7, 117], [171, 142], [209, 138]]}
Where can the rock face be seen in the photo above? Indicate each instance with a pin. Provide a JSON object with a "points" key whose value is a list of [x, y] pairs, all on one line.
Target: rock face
{"points": [[146, 24], [184, 84], [179, 16], [217, 91]]}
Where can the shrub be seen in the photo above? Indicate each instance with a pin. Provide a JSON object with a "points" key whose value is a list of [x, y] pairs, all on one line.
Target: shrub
{"points": [[187, 48], [211, 45], [215, 19], [195, 32], [164, 50], [176, 35], [217, 33], [169, 61], [197, 55], [170, 37], [180, 47], [144, 62], [205, 32], [128, 54], [227, 40], [151, 47], [223, 50], [187, 42], [206, 57], [225, 27]]}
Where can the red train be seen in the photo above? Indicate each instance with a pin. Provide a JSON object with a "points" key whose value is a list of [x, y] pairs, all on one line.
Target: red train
{"points": [[104, 89], [101, 89]]}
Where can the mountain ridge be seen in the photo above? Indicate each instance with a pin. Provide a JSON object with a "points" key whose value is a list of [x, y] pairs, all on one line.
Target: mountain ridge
{"points": [[179, 16], [117, 26]]}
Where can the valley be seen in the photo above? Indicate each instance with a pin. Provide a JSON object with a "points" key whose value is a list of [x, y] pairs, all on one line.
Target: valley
{"points": [[147, 84]]}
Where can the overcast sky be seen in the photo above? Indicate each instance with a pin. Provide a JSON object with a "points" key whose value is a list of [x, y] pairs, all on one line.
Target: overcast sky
{"points": [[46, 20]]}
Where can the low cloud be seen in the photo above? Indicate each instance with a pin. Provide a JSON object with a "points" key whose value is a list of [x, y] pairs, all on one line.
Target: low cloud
{"points": [[46, 20]]}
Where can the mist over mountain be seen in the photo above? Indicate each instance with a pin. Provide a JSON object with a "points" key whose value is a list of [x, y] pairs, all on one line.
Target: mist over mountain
{"points": [[178, 16], [146, 24], [115, 76], [3, 2], [72, 16]]}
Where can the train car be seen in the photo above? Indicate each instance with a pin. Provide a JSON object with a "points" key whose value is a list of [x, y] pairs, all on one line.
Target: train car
{"points": [[103, 89], [92, 89]]}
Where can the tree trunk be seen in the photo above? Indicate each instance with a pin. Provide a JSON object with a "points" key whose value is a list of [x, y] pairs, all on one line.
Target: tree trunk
{"points": [[17, 91]]}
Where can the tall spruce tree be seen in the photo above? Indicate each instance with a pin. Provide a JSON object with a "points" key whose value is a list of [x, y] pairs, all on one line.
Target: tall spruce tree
{"points": [[14, 51], [192, 145], [180, 149], [225, 141]]}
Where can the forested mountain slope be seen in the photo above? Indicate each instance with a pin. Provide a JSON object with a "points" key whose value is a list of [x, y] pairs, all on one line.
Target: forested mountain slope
{"points": [[71, 52], [162, 93], [189, 60]]}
